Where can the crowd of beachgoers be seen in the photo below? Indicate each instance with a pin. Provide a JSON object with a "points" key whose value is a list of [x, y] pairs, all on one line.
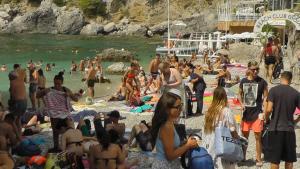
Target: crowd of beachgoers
{"points": [[102, 143]]}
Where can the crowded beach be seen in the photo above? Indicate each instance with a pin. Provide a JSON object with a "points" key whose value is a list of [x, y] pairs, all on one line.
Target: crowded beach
{"points": [[179, 107]]}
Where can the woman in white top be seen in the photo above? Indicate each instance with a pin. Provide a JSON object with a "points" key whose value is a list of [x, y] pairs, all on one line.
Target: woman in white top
{"points": [[217, 113], [170, 78]]}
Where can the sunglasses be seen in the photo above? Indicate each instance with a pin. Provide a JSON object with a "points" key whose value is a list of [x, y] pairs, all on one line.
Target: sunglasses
{"points": [[255, 69], [179, 107]]}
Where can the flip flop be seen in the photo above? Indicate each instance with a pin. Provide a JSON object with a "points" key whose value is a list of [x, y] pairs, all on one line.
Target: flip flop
{"points": [[259, 164]]}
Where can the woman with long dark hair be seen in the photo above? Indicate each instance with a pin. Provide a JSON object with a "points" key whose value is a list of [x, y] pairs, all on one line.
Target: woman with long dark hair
{"points": [[164, 136], [106, 155], [218, 113]]}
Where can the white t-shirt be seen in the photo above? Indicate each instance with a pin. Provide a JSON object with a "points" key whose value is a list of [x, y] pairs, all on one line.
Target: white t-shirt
{"points": [[227, 120]]}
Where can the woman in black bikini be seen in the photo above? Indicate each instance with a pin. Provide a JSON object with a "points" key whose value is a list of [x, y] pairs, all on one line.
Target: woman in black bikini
{"points": [[106, 155], [71, 139]]}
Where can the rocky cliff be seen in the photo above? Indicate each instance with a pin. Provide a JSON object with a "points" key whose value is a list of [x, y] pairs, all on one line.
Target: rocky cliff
{"points": [[124, 17]]}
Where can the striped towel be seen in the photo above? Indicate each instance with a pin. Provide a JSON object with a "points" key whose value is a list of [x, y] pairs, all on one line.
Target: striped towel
{"points": [[57, 104]]}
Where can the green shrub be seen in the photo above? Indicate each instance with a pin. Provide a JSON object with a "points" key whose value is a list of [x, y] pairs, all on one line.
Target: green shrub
{"points": [[116, 5], [93, 7]]}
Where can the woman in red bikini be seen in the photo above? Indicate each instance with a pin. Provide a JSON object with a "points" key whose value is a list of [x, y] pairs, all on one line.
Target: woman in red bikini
{"points": [[131, 81]]}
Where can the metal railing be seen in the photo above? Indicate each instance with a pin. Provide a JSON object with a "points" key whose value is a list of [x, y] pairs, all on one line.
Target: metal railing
{"points": [[234, 17]]}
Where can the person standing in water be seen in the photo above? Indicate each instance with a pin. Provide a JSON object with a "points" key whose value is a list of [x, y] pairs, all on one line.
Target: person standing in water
{"points": [[91, 79]]}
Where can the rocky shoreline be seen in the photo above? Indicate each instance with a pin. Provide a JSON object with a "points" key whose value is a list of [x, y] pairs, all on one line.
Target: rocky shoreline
{"points": [[51, 19]]}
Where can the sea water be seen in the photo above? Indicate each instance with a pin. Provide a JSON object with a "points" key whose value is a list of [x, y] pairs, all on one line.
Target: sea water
{"points": [[60, 49]]}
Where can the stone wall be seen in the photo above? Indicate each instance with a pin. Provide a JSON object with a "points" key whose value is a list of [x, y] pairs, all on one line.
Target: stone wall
{"points": [[293, 46]]}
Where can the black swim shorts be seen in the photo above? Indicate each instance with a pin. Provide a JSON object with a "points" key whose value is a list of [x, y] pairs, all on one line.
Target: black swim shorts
{"points": [[17, 107], [91, 83], [270, 60], [282, 147], [32, 88]]}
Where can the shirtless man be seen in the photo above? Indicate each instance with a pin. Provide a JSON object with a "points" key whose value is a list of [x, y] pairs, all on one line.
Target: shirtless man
{"points": [[91, 79], [17, 102], [153, 70], [270, 54], [7, 137]]}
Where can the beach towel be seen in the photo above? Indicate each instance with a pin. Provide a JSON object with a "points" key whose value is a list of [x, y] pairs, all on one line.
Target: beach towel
{"points": [[140, 109], [82, 114], [57, 104]]}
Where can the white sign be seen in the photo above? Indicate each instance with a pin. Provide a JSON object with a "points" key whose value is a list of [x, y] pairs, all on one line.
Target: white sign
{"points": [[277, 22], [294, 18]]}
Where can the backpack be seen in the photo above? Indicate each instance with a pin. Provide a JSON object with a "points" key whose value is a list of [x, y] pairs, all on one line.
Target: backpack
{"points": [[197, 158], [27, 148]]}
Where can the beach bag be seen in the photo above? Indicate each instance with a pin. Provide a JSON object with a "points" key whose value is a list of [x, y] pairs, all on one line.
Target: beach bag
{"points": [[197, 158], [27, 148], [227, 147]]}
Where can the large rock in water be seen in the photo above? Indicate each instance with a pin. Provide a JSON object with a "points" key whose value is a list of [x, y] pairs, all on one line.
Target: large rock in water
{"points": [[115, 55], [43, 20], [70, 22], [92, 29], [116, 68]]}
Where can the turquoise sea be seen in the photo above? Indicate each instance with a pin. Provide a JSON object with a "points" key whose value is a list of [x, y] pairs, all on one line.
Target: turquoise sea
{"points": [[20, 48]]}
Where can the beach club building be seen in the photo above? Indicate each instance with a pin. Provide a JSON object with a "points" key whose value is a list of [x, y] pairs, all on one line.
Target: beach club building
{"points": [[252, 15]]}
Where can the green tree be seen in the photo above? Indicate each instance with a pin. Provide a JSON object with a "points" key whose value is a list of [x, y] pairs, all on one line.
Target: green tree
{"points": [[93, 7]]}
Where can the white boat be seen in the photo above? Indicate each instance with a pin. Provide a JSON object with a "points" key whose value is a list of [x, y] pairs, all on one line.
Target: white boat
{"points": [[197, 43]]}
